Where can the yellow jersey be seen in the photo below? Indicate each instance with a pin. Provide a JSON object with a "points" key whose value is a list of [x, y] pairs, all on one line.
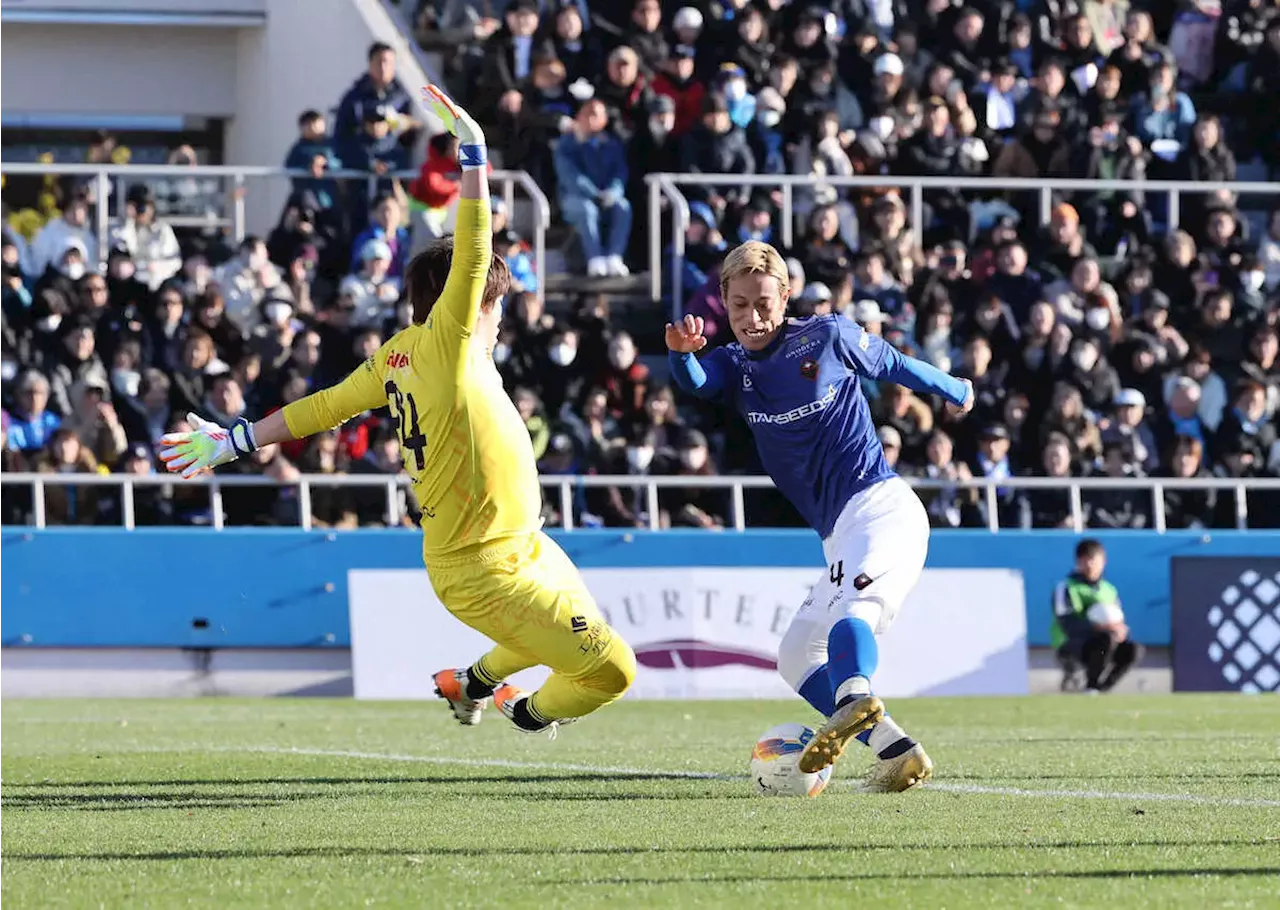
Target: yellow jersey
{"points": [[461, 438]]}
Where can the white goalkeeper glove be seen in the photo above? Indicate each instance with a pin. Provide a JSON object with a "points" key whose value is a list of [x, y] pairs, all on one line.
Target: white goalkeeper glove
{"points": [[207, 446]]}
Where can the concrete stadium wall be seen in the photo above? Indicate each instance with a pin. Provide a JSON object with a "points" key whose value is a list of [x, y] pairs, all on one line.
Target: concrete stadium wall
{"points": [[286, 588]]}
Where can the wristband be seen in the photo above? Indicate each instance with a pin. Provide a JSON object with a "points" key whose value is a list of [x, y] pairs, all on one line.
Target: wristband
{"points": [[242, 440], [473, 156]]}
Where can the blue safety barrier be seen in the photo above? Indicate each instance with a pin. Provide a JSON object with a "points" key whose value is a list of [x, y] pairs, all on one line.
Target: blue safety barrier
{"points": [[286, 588]]}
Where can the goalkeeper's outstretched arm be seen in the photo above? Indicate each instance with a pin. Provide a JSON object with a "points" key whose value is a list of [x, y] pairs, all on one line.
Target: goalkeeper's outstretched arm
{"points": [[209, 445]]}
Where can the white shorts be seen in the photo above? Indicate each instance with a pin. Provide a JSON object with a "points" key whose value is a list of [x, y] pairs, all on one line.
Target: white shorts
{"points": [[875, 555]]}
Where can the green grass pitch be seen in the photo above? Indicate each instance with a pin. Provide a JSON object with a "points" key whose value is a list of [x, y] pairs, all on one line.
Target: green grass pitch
{"points": [[1069, 801]]}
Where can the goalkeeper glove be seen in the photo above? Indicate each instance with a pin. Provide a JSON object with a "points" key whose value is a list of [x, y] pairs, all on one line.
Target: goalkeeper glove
{"points": [[207, 446], [472, 153]]}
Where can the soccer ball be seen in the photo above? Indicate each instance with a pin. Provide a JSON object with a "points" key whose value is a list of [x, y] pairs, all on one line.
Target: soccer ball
{"points": [[775, 763], [1105, 614]]}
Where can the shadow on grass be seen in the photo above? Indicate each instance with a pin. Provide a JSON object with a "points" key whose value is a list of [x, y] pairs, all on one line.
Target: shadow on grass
{"points": [[335, 852], [1260, 872], [568, 777]]}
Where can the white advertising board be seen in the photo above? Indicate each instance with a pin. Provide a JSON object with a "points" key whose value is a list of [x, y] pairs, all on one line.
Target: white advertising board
{"points": [[709, 632]]}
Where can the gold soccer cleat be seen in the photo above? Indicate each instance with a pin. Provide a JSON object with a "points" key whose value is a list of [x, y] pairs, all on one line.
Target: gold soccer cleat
{"points": [[893, 775], [828, 744]]}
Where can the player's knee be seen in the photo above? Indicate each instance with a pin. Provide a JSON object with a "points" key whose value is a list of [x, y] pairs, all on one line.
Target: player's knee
{"points": [[617, 673], [798, 653]]}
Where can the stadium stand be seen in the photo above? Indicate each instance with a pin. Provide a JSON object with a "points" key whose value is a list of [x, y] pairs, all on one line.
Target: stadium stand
{"points": [[1112, 334]]}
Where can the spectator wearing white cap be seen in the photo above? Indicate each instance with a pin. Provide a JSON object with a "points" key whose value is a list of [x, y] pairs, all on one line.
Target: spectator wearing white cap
{"points": [[814, 300], [891, 442], [373, 289], [1129, 425], [867, 313], [795, 277], [687, 25], [889, 77]]}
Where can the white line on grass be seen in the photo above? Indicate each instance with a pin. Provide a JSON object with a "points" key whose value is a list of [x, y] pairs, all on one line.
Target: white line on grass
{"points": [[613, 770]]}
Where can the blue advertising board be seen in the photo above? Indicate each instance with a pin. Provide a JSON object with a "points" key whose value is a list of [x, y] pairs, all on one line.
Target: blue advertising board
{"points": [[287, 588]]}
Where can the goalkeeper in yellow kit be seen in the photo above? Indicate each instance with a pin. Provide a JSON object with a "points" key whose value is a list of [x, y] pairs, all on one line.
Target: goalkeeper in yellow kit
{"points": [[473, 472]]}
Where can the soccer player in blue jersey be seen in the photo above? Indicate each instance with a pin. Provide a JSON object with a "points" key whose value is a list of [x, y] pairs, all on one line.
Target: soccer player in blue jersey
{"points": [[796, 383]]}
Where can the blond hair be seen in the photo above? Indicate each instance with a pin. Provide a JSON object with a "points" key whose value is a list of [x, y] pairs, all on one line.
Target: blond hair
{"points": [[754, 258]]}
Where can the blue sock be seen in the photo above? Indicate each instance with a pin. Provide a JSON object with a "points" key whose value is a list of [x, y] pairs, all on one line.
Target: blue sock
{"points": [[851, 651], [816, 690]]}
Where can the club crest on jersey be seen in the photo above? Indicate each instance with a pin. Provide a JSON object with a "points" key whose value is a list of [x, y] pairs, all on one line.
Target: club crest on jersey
{"points": [[809, 369], [396, 360]]}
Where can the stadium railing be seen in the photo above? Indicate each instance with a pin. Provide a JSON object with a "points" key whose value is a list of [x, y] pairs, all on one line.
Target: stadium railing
{"points": [[567, 486], [667, 186], [112, 181]]}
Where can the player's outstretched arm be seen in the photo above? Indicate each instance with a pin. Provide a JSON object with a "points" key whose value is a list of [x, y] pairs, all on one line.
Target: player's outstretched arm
{"points": [[927, 379], [209, 445], [473, 233], [684, 339]]}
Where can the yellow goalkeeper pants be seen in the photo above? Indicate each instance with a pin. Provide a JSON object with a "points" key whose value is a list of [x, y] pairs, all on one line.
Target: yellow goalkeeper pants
{"points": [[529, 598]]}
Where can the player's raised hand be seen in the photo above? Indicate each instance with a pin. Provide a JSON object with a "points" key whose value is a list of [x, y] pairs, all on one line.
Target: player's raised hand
{"points": [[454, 118], [685, 337], [959, 410], [204, 448]]}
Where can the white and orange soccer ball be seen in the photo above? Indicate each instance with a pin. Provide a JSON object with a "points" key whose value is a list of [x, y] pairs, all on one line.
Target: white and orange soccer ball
{"points": [[775, 763]]}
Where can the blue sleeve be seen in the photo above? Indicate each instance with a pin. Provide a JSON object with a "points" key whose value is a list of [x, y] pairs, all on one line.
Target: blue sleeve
{"points": [[704, 378], [875, 358]]}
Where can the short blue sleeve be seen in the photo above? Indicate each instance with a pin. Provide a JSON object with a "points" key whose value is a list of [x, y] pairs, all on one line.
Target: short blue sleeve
{"points": [[862, 350]]}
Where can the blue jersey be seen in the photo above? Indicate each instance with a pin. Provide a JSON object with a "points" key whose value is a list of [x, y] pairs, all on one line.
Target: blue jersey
{"points": [[803, 401]]}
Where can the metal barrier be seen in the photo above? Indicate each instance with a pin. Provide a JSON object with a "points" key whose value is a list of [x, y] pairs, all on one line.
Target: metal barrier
{"points": [[567, 485], [112, 180], [668, 185]]}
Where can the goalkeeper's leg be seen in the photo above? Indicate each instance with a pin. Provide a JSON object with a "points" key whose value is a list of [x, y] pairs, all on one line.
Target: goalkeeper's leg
{"points": [[538, 611]]}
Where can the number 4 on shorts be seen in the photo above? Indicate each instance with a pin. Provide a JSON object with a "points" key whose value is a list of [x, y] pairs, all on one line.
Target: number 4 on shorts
{"points": [[837, 573]]}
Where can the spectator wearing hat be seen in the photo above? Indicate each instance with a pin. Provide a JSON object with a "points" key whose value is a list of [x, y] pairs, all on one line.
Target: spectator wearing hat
{"points": [[152, 503], [626, 91], [695, 507], [51, 244], [686, 27], [994, 460], [814, 300], [891, 443], [677, 81], [151, 242], [731, 83], [591, 173], [1128, 424], [717, 146], [1061, 243], [378, 88], [376, 150], [889, 72], [373, 288]]}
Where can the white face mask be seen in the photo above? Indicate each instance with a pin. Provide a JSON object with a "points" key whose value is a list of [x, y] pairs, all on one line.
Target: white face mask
{"points": [[257, 261], [1098, 319], [735, 90], [622, 358], [693, 459], [73, 270], [1255, 280], [49, 323], [658, 127], [1085, 358], [125, 381], [563, 354], [501, 353], [639, 457], [769, 119], [278, 312]]}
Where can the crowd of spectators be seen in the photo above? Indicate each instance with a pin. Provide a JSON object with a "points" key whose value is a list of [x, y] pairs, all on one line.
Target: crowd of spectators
{"points": [[1110, 341]]}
